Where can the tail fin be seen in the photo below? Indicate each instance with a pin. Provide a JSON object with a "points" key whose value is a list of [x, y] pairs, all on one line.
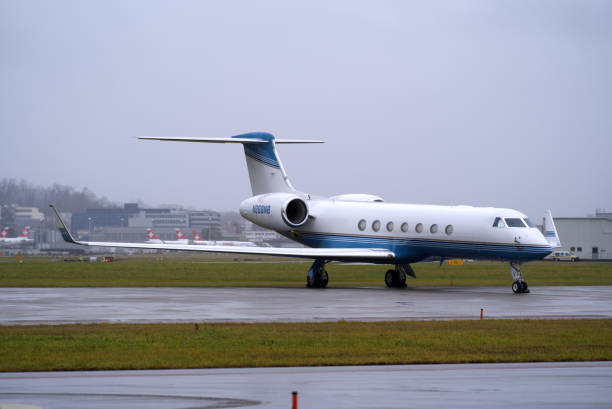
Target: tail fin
{"points": [[151, 235], [4, 232], [179, 234], [550, 231], [196, 236], [26, 232], [266, 172]]}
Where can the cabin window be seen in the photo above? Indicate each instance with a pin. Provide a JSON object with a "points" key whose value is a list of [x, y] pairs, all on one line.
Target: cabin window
{"points": [[580, 249], [419, 228], [449, 229], [433, 229], [572, 248], [528, 222], [404, 227], [514, 222], [362, 224], [376, 225], [499, 222], [390, 226]]}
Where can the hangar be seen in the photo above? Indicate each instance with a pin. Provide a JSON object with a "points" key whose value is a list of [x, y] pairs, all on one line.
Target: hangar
{"points": [[587, 237]]}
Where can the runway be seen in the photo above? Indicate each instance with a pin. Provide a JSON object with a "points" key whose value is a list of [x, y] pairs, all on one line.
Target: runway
{"points": [[533, 385], [145, 305]]}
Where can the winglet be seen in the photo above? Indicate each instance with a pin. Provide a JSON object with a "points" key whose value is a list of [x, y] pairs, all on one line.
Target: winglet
{"points": [[550, 231], [66, 235]]}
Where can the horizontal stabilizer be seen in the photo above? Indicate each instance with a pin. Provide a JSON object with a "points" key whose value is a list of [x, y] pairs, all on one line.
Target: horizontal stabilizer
{"points": [[224, 140]]}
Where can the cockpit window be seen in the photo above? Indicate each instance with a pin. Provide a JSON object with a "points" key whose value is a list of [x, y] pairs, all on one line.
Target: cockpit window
{"points": [[499, 222], [528, 222], [514, 222]]}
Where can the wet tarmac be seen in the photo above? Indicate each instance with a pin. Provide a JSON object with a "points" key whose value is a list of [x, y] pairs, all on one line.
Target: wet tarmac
{"points": [[142, 305], [531, 385]]}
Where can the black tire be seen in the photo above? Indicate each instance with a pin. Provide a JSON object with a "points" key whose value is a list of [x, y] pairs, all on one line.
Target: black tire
{"points": [[390, 278], [324, 279], [516, 287], [524, 287], [318, 280]]}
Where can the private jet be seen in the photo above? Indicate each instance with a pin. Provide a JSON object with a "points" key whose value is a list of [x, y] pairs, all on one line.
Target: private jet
{"points": [[363, 227]]}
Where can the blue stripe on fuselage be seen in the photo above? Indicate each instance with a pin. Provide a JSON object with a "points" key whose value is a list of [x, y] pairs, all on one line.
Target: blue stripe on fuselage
{"points": [[410, 250]]}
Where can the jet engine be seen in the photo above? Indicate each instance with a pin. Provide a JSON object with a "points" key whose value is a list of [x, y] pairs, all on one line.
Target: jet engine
{"points": [[277, 211]]}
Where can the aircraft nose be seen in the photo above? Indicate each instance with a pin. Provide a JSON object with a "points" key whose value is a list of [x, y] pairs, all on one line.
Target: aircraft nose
{"points": [[539, 239]]}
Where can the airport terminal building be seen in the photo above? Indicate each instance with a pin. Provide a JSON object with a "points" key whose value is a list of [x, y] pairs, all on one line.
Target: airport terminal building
{"points": [[587, 237], [128, 223]]}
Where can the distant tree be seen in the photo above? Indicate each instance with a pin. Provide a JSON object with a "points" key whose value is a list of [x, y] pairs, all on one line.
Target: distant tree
{"points": [[67, 198], [8, 217]]}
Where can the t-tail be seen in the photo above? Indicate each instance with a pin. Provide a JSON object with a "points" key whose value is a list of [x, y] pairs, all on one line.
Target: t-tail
{"points": [[266, 171], [180, 235], [4, 232]]}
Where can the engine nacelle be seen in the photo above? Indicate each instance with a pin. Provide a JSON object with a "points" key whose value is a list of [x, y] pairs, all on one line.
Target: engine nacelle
{"points": [[277, 211]]}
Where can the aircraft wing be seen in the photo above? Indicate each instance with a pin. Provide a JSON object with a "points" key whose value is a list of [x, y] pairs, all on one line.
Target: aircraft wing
{"points": [[312, 253]]}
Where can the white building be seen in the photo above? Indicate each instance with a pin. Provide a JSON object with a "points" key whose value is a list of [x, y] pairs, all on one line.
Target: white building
{"points": [[587, 237], [260, 236]]}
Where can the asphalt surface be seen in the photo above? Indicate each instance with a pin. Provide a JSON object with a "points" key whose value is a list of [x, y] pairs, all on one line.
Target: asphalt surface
{"points": [[142, 305], [532, 385]]}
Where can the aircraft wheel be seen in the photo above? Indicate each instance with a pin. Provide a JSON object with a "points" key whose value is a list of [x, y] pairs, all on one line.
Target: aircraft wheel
{"points": [[324, 279], [319, 280], [389, 278], [516, 287], [401, 279], [524, 287]]}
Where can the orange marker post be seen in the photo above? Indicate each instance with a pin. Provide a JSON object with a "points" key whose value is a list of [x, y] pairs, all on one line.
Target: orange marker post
{"points": [[294, 404], [481, 313]]}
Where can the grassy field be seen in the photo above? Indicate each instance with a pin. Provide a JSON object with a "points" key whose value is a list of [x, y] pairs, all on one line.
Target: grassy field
{"points": [[140, 346], [189, 271]]}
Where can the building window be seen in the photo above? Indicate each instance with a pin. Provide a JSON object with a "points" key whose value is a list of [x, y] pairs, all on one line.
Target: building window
{"points": [[404, 227], [419, 228], [449, 229], [579, 249], [390, 226], [362, 224], [376, 225], [433, 229]]}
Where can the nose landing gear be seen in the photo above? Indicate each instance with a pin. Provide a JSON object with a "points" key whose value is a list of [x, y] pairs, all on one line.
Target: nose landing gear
{"points": [[519, 286]]}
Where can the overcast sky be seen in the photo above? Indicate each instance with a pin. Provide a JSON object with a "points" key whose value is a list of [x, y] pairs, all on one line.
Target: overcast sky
{"points": [[492, 103]]}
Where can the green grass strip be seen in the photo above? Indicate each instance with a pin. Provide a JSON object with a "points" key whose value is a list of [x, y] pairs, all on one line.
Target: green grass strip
{"points": [[149, 346], [196, 272]]}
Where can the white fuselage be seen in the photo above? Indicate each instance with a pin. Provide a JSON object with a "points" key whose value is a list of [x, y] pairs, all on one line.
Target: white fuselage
{"points": [[413, 232]]}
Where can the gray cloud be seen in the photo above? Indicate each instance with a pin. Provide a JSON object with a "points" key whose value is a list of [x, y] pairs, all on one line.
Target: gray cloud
{"points": [[486, 103]]}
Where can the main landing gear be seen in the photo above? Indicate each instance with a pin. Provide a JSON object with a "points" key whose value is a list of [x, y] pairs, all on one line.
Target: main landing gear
{"points": [[519, 286], [317, 276], [397, 278]]}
